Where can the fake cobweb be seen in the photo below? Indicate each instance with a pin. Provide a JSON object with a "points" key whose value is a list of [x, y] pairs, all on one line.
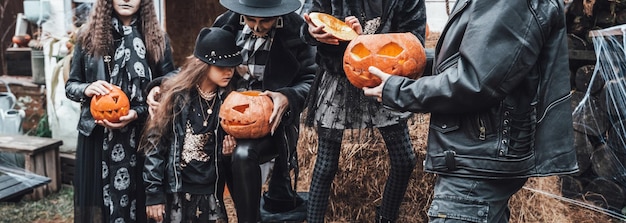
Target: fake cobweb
{"points": [[599, 122]]}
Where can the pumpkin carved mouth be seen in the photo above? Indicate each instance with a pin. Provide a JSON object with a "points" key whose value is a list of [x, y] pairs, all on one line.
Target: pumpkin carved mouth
{"points": [[110, 106]]}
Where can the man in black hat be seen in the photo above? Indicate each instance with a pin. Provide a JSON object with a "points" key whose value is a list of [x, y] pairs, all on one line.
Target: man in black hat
{"points": [[277, 62]]}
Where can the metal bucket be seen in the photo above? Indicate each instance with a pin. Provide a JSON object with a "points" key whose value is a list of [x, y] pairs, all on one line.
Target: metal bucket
{"points": [[37, 66]]}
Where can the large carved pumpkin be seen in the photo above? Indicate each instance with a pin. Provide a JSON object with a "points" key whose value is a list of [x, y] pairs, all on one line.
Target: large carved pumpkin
{"points": [[394, 53], [110, 106], [246, 115], [333, 25]]}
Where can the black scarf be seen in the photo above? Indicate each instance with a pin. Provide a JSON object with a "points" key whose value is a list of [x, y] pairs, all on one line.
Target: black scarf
{"points": [[130, 67]]}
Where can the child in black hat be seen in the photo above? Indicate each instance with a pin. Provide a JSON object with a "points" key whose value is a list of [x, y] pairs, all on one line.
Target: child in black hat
{"points": [[183, 141]]}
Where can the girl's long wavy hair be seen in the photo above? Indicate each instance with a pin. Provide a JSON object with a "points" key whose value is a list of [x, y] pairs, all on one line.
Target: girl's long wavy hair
{"points": [[97, 36], [175, 88]]}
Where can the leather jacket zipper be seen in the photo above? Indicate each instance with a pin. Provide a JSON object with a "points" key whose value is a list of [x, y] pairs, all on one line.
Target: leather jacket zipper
{"points": [[482, 135]]}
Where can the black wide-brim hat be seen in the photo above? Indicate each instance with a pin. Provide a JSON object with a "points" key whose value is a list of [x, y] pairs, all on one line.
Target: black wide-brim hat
{"points": [[262, 8], [216, 46]]}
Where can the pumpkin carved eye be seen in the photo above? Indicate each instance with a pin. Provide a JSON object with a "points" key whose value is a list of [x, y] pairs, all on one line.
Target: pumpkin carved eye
{"points": [[245, 115], [360, 51], [393, 53], [391, 50]]}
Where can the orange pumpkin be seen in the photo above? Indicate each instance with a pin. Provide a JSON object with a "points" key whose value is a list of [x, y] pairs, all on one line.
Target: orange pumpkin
{"points": [[246, 115], [393, 53], [21, 40], [110, 106], [333, 25]]}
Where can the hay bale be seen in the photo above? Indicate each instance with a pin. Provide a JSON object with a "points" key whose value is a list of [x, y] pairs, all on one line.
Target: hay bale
{"points": [[363, 168]]}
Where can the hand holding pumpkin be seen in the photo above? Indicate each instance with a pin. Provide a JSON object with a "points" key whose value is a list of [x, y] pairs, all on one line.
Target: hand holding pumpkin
{"points": [[376, 91], [318, 32], [280, 106], [99, 87], [123, 120]]}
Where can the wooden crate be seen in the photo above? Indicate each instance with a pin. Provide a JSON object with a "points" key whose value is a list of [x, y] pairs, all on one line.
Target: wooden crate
{"points": [[18, 61], [41, 157]]}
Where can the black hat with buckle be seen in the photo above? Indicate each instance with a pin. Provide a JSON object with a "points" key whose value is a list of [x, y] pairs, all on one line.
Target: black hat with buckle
{"points": [[262, 8], [216, 46]]}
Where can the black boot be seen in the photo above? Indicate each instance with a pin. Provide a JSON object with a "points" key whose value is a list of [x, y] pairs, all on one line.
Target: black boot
{"points": [[382, 219]]}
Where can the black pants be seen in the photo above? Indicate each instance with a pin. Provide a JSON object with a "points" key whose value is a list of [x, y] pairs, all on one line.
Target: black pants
{"points": [[244, 176]]}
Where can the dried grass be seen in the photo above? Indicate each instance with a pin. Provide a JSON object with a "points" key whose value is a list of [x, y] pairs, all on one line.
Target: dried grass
{"points": [[363, 168]]}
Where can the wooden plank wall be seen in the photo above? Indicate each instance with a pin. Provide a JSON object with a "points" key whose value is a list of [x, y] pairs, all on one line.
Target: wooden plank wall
{"points": [[183, 21]]}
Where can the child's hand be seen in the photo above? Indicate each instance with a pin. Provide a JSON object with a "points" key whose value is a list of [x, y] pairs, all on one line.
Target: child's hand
{"points": [[156, 212], [153, 100], [228, 145]]}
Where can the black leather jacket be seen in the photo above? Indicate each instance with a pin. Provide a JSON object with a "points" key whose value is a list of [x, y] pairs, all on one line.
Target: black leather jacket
{"points": [[499, 96], [86, 69], [162, 170]]}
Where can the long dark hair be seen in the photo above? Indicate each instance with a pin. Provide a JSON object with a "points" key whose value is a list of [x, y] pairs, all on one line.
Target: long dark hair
{"points": [[97, 36], [173, 89]]}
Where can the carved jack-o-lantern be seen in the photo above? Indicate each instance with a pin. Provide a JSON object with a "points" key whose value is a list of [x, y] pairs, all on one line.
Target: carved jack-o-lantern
{"points": [[246, 115], [110, 106], [393, 53]]}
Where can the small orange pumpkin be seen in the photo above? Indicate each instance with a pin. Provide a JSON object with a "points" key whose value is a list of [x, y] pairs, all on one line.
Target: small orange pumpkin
{"points": [[21, 40], [333, 25], [246, 115], [110, 106], [393, 53]]}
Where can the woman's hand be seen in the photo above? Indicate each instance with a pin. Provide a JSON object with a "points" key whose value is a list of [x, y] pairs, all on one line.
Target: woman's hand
{"points": [[228, 145], [156, 212], [124, 120], [280, 106], [318, 32], [354, 23], [99, 87]]}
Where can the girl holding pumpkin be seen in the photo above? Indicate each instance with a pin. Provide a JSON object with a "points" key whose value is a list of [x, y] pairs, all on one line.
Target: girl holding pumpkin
{"points": [[183, 141], [335, 105], [114, 49]]}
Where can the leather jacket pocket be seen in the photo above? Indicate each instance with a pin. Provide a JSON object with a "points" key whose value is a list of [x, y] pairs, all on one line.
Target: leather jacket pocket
{"points": [[444, 123]]}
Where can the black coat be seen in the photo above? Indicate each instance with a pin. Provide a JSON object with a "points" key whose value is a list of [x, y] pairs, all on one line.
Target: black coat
{"points": [[291, 66]]}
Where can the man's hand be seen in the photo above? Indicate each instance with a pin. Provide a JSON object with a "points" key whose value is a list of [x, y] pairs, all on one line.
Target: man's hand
{"points": [[280, 105], [378, 90]]}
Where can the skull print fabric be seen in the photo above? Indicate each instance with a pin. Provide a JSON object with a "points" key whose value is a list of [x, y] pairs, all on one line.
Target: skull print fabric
{"points": [[130, 69], [120, 174]]}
